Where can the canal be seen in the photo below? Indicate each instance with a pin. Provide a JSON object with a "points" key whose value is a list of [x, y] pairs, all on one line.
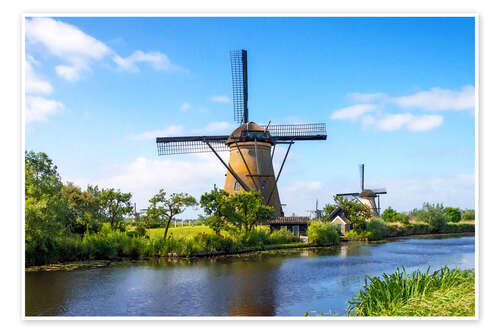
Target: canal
{"points": [[284, 283]]}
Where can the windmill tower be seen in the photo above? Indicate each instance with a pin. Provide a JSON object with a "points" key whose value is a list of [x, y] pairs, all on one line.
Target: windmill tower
{"points": [[251, 146], [317, 212], [370, 198]]}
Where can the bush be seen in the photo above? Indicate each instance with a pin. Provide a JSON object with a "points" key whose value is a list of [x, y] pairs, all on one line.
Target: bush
{"points": [[468, 214], [390, 215], [453, 214], [322, 234], [377, 229], [141, 231], [434, 215], [283, 236]]}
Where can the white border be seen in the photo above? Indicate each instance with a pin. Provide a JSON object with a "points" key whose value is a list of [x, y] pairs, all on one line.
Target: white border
{"points": [[239, 14]]}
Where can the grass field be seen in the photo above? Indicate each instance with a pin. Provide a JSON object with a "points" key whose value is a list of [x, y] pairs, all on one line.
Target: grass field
{"points": [[179, 232]]}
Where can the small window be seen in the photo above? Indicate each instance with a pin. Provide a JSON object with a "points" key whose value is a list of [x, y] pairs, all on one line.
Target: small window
{"points": [[263, 185], [236, 186]]}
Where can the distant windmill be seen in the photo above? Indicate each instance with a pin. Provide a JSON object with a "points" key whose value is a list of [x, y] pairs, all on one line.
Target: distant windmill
{"points": [[251, 146], [317, 212], [371, 198]]}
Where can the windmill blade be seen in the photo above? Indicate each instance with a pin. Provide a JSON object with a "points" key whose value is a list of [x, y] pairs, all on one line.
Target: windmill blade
{"points": [[190, 144], [298, 132], [380, 191], [240, 85], [362, 176], [354, 194]]}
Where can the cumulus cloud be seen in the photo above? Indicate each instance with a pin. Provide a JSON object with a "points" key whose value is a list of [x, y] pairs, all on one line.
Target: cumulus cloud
{"points": [[67, 42], [39, 108], [353, 112], [391, 122], [220, 99], [195, 174], [438, 99], [157, 60], [217, 126], [172, 130], [35, 84], [78, 50]]}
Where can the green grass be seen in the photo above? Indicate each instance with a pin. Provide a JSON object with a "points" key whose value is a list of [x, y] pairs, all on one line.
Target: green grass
{"points": [[444, 292], [179, 232]]}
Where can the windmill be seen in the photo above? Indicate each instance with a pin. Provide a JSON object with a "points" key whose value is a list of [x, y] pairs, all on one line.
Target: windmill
{"points": [[317, 212], [371, 198], [251, 147]]}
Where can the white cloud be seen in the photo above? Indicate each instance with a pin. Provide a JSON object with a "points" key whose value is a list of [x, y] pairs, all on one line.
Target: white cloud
{"points": [[220, 99], [367, 98], [79, 50], [185, 106], [352, 112], [39, 108], [67, 42], [425, 123], [34, 84], [437, 99], [157, 60], [144, 177], [408, 121], [171, 130]]}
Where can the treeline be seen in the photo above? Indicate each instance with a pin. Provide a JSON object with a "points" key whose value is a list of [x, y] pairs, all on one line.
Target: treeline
{"points": [[65, 223]]}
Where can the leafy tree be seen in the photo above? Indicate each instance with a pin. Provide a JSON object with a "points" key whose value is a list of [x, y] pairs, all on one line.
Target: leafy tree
{"points": [[45, 211], [453, 214], [216, 205], [163, 209], [115, 205], [84, 208], [390, 215], [355, 211], [248, 209], [434, 215], [403, 218], [468, 214]]}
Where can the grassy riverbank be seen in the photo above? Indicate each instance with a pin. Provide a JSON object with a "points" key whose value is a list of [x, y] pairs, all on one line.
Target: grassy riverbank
{"points": [[444, 292], [377, 229]]}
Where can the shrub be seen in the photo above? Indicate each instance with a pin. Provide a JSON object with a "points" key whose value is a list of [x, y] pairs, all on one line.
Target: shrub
{"points": [[390, 215], [283, 236], [453, 214], [141, 231], [377, 229], [468, 214], [322, 233], [434, 215]]}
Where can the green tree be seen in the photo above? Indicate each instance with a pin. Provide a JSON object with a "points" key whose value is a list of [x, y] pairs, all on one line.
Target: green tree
{"points": [[390, 215], [115, 205], [248, 209], [163, 209], [453, 214], [215, 205], [45, 211], [434, 215], [84, 208], [355, 211], [468, 214]]}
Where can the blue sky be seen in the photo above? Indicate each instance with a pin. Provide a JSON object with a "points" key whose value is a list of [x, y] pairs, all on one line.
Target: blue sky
{"points": [[396, 93]]}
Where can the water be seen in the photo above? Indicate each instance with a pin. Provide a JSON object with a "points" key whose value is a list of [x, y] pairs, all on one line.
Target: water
{"points": [[285, 284]]}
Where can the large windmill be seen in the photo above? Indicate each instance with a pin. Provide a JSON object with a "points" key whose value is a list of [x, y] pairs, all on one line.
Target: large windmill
{"points": [[251, 146], [371, 198]]}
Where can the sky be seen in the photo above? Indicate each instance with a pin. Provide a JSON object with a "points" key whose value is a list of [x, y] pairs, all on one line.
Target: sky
{"points": [[397, 94]]}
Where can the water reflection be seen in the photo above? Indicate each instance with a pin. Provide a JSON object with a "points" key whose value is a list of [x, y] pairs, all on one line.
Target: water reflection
{"points": [[267, 284]]}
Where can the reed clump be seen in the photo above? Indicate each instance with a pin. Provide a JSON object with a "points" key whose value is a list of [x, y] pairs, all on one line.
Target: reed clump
{"points": [[400, 294]]}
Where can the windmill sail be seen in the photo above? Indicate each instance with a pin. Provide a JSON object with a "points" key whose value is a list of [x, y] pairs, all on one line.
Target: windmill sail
{"points": [[191, 144], [362, 176], [298, 132], [240, 85]]}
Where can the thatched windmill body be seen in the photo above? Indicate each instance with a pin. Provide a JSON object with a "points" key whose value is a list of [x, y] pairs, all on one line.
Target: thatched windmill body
{"points": [[370, 198], [251, 147]]}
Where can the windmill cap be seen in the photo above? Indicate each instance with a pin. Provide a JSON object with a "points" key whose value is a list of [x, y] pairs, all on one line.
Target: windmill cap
{"points": [[367, 193], [242, 130]]}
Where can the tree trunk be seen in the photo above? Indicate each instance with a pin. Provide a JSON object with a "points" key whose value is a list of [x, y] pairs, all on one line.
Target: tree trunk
{"points": [[166, 228]]}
